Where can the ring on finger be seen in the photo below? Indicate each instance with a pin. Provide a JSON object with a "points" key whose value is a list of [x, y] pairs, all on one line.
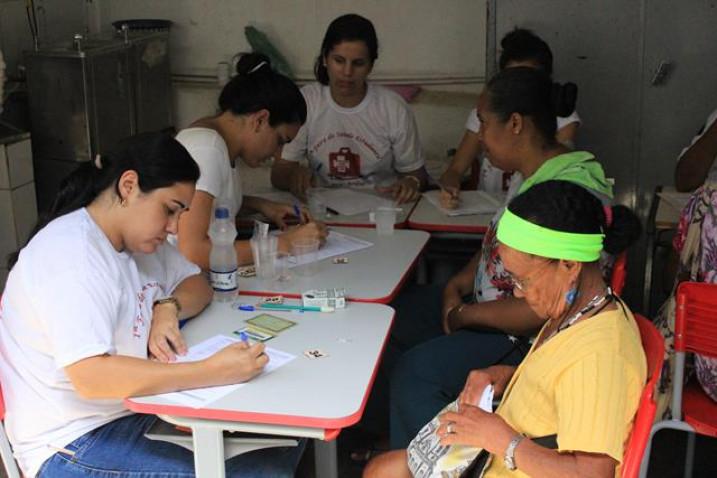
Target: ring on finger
{"points": [[449, 428]]}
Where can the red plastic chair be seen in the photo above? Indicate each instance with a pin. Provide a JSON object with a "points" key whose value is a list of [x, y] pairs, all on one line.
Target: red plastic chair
{"points": [[695, 331], [654, 346], [619, 273], [8, 459]]}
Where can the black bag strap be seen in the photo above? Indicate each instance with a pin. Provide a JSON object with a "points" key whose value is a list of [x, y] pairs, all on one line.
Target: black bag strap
{"points": [[475, 469]]}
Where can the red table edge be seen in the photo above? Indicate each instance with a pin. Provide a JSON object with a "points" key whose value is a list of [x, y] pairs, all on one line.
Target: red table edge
{"points": [[447, 228], [379, 300], [332, 426]]}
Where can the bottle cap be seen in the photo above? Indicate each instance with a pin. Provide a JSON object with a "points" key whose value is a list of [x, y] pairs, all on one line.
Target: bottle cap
{"points": [[221, 213]]}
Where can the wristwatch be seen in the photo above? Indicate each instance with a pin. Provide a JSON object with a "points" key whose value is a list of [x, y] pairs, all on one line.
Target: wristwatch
{"points": [[168, 300], [509, 457]]}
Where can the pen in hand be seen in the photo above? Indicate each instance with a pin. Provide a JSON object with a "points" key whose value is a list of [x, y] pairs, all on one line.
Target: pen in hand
{"points": [[297, 212]]}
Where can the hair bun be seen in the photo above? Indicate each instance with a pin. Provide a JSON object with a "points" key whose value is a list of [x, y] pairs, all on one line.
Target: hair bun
{"points": [[249, 63], [564, 97]]}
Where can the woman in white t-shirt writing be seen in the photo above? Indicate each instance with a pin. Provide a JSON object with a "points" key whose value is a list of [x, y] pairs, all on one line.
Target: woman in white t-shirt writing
{"points": [[95, 293], [260, 110], [520, 47], [356, 133]]}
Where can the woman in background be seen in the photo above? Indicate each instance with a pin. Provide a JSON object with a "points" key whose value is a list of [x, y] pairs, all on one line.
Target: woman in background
{"points": [[357, 133]]}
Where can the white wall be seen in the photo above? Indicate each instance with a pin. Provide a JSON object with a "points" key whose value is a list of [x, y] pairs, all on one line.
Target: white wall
{"points": [[417, 38]]}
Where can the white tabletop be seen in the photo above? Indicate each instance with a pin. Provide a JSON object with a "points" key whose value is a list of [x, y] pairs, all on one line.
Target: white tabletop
{"points": [[427, 217], [354, 220], [327, 393], [374, 274]]}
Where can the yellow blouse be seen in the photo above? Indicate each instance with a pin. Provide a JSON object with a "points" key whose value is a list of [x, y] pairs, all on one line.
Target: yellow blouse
{"points": [[583, 384]]}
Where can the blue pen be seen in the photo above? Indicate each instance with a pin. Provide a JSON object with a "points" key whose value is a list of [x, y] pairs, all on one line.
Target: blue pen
{"points": [[244, 337], [297, 212], [246, 307]]}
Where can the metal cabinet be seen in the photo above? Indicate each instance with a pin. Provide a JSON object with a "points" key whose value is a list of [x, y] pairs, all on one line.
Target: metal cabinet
{"points": [[87, 94]]}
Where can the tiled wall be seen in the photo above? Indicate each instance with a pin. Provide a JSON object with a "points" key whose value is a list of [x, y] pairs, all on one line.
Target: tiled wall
{"points": [[18, 208]]}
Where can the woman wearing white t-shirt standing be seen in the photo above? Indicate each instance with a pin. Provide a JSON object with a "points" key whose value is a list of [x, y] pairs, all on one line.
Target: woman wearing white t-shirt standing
{"points": [[94, 294], [356, 133], [520, 47], [260, 110]]}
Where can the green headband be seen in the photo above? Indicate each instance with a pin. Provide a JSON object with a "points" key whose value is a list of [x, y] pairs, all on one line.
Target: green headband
{"points": [[525, 236]]}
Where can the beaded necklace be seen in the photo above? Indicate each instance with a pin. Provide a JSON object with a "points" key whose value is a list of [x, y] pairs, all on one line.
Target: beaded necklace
{"points": [[595, 302]]}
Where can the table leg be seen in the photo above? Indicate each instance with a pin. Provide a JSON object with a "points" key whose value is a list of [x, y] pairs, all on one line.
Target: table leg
{"points": [[208, 452], [326, 463]]}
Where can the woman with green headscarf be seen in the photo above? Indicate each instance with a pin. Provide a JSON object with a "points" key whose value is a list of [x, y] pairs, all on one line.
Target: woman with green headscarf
{"points": [[567, 409], [450, 337]]}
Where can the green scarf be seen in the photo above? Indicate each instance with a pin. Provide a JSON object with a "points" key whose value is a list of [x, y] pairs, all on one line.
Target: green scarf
{"points": [[579, 167]]}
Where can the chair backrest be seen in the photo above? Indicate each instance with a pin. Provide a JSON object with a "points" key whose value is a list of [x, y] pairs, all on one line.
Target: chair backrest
{"points": [[654, 345], [619, 273], [695, 318]]}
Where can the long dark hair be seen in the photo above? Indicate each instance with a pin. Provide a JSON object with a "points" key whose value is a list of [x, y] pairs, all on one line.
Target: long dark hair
{"points": [[159, 160], [349, 27], [257, 86], [521, 44], [529, 92], [568, 207]]}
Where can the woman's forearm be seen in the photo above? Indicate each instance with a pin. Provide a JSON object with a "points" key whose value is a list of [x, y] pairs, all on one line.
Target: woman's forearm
{"points": [[510, 315], [193, 294]]}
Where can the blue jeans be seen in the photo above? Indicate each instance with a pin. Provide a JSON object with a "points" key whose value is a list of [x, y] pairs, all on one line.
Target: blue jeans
{"points": [[431, 375], [119, 449]]}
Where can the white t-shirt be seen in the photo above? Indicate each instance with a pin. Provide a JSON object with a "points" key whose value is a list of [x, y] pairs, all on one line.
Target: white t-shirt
{"points": [[71, 296], [360, 145], [712, 174], [216, 174], [493, 179]]}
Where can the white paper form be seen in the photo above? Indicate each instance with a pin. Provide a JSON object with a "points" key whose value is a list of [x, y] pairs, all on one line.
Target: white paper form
{"points": [[337, 244], [200, 397], [471, 202], [349, 202]]}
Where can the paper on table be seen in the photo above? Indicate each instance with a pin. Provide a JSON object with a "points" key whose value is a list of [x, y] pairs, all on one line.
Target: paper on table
{"points": [[337, 244], [675, 199], [471, 202], [200, 397], [349, 202]]}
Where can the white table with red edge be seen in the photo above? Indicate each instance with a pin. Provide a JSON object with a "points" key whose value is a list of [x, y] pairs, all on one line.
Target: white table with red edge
{"points": [[313, 398], [374, 274]]}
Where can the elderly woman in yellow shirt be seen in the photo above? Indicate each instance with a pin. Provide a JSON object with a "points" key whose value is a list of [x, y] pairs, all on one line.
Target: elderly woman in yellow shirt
{"points": [[581, 380]]}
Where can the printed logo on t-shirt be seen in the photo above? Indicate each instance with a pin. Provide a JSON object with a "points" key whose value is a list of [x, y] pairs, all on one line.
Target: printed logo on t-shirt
{"points": [[344, 164], [139, 325]]}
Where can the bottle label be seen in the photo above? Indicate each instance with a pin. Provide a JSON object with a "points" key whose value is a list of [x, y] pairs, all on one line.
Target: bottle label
{"points": [[223, 281]]}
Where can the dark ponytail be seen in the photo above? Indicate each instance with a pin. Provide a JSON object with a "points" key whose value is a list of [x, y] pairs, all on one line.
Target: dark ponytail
{"points": [[257, 86], [159, 160], [569, 207], [350, 27]]}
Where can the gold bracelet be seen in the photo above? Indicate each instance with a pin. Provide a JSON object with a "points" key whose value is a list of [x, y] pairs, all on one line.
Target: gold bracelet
{"points": [[168, 300]]}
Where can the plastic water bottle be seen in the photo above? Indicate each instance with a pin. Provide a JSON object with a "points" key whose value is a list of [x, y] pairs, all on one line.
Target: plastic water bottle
{"points": [[223, 258]]}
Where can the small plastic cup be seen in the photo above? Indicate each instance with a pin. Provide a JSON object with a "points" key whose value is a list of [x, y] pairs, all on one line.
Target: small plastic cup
{"points": [[385, 219], [265, 254], [316, 202], [306, 254]]}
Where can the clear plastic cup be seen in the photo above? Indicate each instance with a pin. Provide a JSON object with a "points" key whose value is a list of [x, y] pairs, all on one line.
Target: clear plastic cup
{"points": [[316, 202], [306, 254], [385, 219], [265, 253]]}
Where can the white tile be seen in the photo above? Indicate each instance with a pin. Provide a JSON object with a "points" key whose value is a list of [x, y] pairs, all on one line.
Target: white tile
{"points": [[24, 207], [4, 169], [19, 158]]}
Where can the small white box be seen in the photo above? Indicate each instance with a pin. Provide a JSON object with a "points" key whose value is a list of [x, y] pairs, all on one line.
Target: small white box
{"points": [[335, 298]]}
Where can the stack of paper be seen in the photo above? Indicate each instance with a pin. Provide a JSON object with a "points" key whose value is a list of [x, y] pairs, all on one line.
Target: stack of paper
{"points": [[337, 244], [471, 202]]}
